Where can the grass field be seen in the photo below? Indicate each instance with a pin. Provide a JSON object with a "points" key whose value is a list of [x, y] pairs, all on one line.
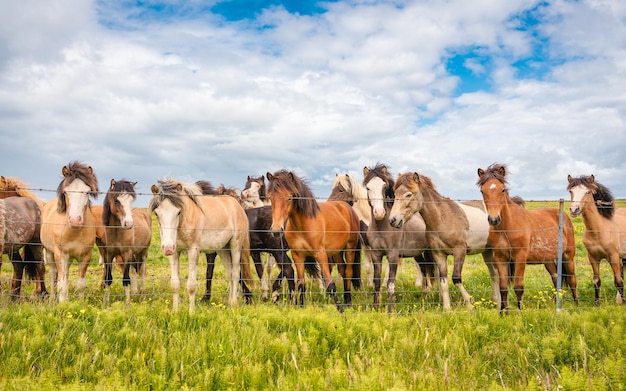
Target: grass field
{"points": [[84, 345]]}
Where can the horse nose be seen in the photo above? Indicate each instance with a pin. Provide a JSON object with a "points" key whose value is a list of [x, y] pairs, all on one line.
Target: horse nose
{"points": [[396, 222], [277, 233], [75, 220], [574, 210], [168, 249], [494, 220], [128, 223]]}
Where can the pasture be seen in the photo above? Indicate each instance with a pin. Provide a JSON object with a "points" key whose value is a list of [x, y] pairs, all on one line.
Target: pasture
{"points": [[85, 344]]}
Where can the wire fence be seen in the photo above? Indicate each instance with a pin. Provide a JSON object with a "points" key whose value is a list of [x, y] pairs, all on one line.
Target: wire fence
{"points": [[411, 294]]}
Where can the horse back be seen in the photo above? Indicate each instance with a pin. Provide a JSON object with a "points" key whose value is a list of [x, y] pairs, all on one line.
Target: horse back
{"points": [[20, 220], [222, 220], [544, 234], [341, 225]]}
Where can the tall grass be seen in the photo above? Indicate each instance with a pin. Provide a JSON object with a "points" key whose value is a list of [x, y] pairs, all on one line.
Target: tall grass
{"points": [[85, 345]]}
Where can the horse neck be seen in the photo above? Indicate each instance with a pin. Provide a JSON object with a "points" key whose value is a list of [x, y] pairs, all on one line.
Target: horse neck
{"points": [[433, 206], [510, 214], [592, 218]]}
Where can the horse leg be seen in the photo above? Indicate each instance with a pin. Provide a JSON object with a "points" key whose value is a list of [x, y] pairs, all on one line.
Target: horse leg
{"points": [[493, 274], [53, 271], [392, 261], [440, 258], [376, 258], [127, 260], [616, 265], [210, 266], [192, 278], [81, 284], [258, 265], [569, 270], [502, 266], [175, 279], [595, 268], [298, 260], [63, 267], [518, 276], [347, 277], [18, 275], [459, 260]]}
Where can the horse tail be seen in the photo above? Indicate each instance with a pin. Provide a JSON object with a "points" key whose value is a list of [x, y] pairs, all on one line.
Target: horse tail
{"points": [[30, 263], [311, 267], [356, 266]]}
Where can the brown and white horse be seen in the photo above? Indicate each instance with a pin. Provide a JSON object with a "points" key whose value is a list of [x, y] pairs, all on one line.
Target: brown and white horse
{"points": [[68, 228], [605, 229]]}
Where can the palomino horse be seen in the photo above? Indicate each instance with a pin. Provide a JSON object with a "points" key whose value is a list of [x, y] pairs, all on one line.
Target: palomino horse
{"points": [[19, 229], [452, 228], [253, 194], [408, 241], [127, 234], [68, 228], [524, 236], [319, 230], [605, 228], [15, 187], [192, 222]]}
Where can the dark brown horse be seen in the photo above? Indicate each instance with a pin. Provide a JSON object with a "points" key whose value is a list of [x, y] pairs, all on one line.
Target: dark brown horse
{"points": [[19, 230], [524, 236], [319, 230], [127, 234], [605, 229]]}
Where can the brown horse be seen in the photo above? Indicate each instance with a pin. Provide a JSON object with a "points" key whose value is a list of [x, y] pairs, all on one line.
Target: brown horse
{"points": [[318, 230], [524, 236], [408, 241], [127, 234], [193, 222], [452, 228], [19, 229], [605, 229], [68, 228]]}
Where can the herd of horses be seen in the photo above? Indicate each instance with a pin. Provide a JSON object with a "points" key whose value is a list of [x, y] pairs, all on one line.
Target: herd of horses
{"points": [[405, 217]]}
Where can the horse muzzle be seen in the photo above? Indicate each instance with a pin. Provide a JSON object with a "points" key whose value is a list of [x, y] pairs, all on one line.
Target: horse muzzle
{"points": [[396, 222], [277, 233], [494, 221], [574, 210], [168, 249], [75, 221]]}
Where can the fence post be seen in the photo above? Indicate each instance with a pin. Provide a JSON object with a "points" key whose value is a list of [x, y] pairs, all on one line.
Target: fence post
{"points": [[559, 262]]}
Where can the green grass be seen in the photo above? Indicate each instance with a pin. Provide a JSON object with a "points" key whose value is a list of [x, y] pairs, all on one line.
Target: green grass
{"points": [[85, 345]]}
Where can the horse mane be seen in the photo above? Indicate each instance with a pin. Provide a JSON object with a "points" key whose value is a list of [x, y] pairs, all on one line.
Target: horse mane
{"points": [[303, 198], [351, 186], [424, 183], [495, 171], [229, 191], [175, 191], [604, 201], [117, 188], [13, 184], [76, 170], [206, 187], [381, 171]]}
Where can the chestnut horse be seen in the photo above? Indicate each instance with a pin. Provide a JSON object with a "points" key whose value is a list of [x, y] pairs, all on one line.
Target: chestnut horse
{"points": [[127, 234], [408, 241], [193, 222], [68, 228], [452, 228], [524, 236], [605, 229], [19, 229], [319, 230]]}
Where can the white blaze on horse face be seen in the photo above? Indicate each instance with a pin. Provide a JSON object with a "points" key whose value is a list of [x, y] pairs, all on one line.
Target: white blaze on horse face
{"points": [[577, 193], [168, 218], [77, 199], [376, 197], [251, 194], [126, 201]]}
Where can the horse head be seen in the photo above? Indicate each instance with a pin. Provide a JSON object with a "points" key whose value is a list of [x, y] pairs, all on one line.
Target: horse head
{"points": [[78, 185], [379, 184], [409, 199], [492, 183], [118, 203]]}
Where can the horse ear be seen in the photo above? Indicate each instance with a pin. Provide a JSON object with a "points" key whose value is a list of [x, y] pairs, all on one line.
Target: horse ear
{"points": [[262, 178], [112, 183], [154, 189], [90, 170], [269, 176], [481, 172], [65, 171], [291, 176], [384, 169], [179, 187], [133, 184], [366, 171], [248, 178], [569, 179], [416, 177], [502, 170], [592, 178]]}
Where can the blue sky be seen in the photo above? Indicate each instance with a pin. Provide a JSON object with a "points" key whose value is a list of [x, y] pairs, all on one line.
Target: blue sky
{"points": [[219, 90]]}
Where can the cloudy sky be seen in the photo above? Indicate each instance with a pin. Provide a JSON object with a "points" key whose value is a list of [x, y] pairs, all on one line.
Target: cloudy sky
{"points": [[220, 90]]}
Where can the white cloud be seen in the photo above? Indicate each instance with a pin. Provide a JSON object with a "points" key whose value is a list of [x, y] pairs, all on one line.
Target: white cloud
{"points": [[207, 99]]}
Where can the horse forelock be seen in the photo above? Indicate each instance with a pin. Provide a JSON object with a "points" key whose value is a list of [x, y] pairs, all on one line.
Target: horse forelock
{"points": [[494, 171], [77, 170], [169, 189], [303, 198], [603, 197]]}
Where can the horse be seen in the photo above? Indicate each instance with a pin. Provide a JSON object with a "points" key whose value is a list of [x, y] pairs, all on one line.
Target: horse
{"points": [[452, 228], [319, 230], [127, 235], [15, 187], [20, 220], [254, 194], [407, 241], [193, 222], [68, 228], [605, 229], [520, 236]]}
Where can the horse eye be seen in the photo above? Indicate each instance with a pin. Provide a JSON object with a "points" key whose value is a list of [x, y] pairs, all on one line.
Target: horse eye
{"points": [[408, 195]]}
